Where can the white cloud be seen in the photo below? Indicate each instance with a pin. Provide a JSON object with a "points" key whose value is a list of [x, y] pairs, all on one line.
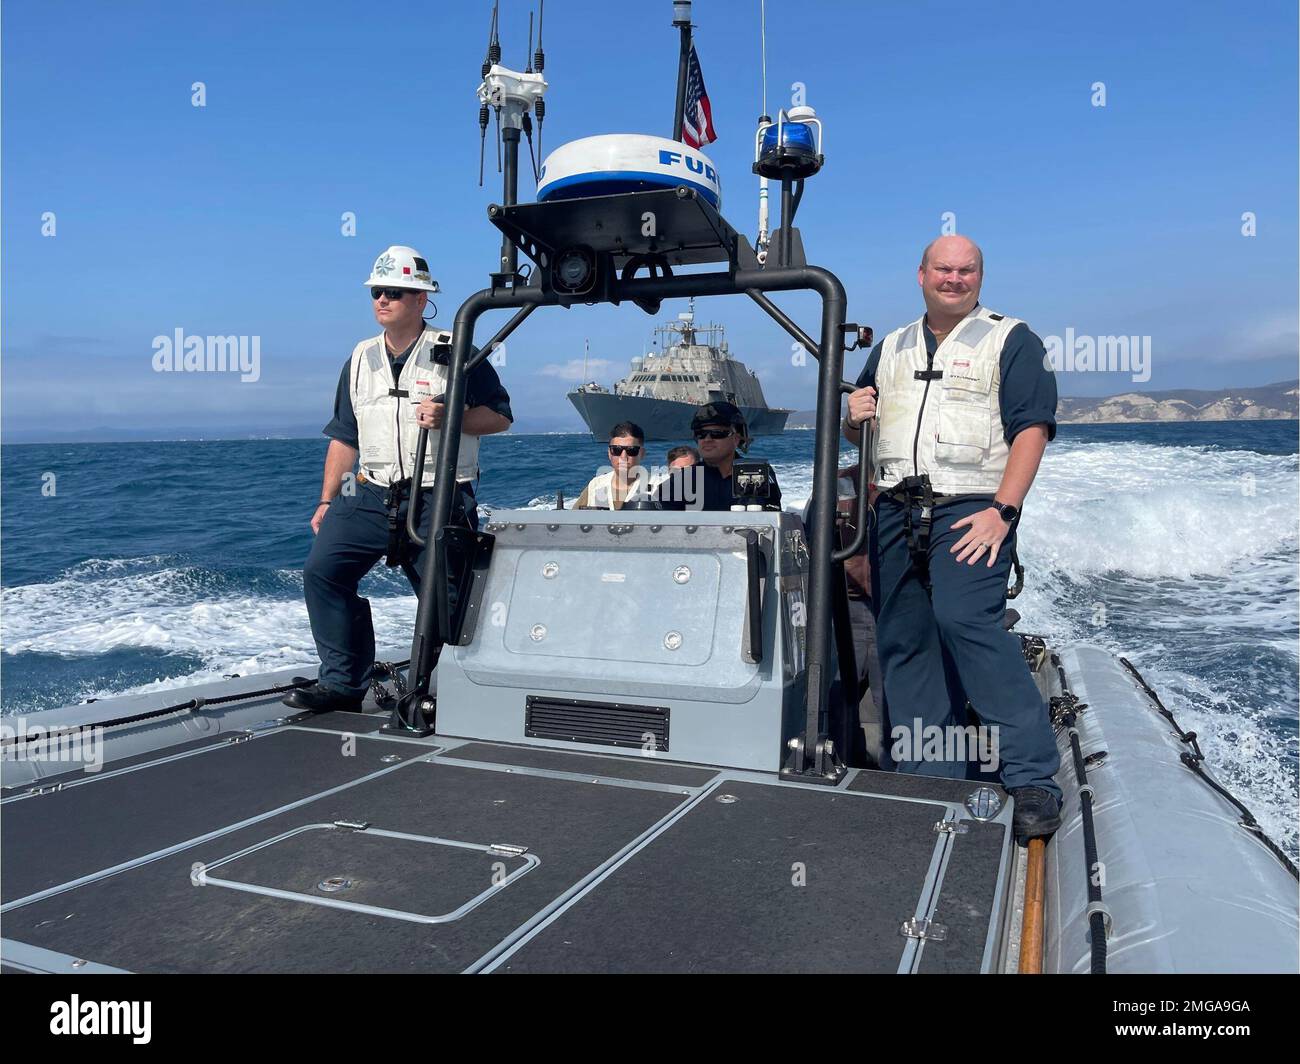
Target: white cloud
{"points": [[573, 369], [1270, 336]]}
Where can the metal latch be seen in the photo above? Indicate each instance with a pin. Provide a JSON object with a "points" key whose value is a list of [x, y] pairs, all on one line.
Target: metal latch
{"points": [[951, 827], [798, 548], [924, 930], [352, 825], [506, 849]]}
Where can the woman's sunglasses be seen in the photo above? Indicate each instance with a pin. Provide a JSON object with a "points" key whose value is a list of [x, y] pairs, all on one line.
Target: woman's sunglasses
{"points": [[617, 449], [393, 294]]}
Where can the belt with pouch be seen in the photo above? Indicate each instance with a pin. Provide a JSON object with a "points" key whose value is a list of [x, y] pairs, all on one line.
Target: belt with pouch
{"points": [[917, 492]]}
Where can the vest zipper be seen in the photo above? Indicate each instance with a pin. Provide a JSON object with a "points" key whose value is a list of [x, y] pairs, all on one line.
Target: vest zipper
{"points": [[920, 414], [397, 413]]}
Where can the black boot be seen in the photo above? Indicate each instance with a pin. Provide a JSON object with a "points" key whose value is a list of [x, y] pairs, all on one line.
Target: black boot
{"points": [[1037, 814], [320, 699]]}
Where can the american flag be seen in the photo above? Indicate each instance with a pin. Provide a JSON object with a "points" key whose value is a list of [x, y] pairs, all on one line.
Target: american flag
{"points": [[697, 120]]}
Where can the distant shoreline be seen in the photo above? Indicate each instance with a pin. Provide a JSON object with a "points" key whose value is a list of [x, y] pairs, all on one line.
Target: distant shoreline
{"points": [[1269, 402], [581, 432]]}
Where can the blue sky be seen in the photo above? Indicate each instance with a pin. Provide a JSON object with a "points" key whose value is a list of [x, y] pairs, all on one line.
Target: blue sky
{"points": [[225, 219]]}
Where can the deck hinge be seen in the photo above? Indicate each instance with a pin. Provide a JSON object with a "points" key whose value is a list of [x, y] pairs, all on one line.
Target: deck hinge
{"points": [[352, 825], [506, 849], [49, 788], [924, 930], [951, 827], [242, 737]]}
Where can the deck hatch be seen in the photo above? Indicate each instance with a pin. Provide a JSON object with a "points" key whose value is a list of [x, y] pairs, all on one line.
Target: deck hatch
{"points": [[447, 878], [596, 723]]}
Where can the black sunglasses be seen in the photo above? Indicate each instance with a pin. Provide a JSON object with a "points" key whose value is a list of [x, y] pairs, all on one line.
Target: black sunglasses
{"points": [[619, 448], [392, 293], [712, 434]]}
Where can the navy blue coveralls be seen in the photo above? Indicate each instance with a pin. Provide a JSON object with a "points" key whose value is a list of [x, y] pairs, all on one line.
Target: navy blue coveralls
{"points": [[354, 536], [940, 648]]}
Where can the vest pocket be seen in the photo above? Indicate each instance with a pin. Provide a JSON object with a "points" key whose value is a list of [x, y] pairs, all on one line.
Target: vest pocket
{"points": [[965, 422]]}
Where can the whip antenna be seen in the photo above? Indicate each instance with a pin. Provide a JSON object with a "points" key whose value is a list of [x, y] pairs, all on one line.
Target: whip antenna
{"points": [[760, 244], [539, 61], [483, 108], [539, 57]]}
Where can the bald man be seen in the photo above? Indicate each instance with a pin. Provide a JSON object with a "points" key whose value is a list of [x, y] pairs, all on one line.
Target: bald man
{"points": [[965, 406]]}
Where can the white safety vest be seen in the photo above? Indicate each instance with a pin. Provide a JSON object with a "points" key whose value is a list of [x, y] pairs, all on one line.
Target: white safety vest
{"points": [[949, 427], [600, 489], [386, 427]]}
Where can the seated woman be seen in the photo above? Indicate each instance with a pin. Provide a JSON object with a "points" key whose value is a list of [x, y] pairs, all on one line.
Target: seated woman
{"points": [[625, 478], [720, 431]]}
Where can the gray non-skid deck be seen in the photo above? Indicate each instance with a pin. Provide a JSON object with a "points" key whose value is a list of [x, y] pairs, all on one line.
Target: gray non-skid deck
{"points": [[819, 879], [486, 857]]}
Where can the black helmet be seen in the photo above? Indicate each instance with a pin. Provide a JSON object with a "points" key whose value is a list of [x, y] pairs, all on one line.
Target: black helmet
{"points": [[719, 414], [722, 414]]}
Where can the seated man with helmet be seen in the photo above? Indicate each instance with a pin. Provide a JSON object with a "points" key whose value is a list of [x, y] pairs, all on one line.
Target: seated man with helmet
{"points": [[390, 388], [625, 479], [720, 482]]}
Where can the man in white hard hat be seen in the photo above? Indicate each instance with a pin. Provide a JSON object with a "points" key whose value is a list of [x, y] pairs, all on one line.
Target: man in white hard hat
{"points": [[389, 389], [966, 406]]}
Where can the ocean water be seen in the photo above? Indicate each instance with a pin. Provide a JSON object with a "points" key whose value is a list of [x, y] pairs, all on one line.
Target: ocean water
{"points": [[135, 567]]}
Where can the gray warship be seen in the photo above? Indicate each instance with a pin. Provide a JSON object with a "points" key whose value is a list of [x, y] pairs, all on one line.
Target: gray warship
{"points": [[619, 749], [693, 366]]}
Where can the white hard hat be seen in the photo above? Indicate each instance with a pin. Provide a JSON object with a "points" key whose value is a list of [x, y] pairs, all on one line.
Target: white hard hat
{"points": [[401, 267]]}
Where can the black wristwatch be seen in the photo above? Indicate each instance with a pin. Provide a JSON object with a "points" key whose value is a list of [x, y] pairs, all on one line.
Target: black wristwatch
{"points": [[1007, 512]]}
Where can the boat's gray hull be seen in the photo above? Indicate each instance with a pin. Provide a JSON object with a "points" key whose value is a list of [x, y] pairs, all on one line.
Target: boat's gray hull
{"points": [[662, 419], [1188, 888]]}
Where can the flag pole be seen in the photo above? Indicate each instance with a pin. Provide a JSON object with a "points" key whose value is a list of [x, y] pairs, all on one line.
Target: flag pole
{"points": [[682, 20]]}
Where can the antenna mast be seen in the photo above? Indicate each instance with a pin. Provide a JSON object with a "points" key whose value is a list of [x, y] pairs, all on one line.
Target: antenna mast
{"points": [[764, 235], [511, 95]]}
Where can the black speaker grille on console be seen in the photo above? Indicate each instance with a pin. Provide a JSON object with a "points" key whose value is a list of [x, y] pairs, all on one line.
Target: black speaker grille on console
{"points": [[597, 723]]}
